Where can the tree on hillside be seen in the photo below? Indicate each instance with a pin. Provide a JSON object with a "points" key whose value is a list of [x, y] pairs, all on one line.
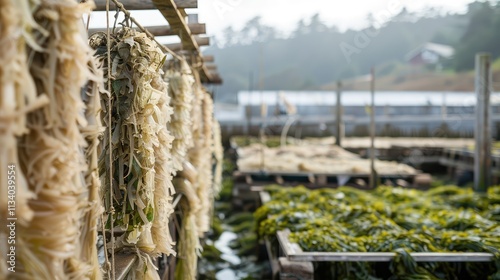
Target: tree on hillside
{"points": [[481, 35], [255, 31]]}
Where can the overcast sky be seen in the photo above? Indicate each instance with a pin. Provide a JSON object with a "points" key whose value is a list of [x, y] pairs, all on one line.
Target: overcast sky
{"points": [[284, 14]]}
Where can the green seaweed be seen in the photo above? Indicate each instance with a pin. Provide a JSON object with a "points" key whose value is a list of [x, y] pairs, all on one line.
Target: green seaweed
{"points": [[388, 219]]}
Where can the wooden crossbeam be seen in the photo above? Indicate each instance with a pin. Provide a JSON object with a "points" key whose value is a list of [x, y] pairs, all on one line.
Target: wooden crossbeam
{"points": [[211, 67], [200, 41], [144, 4], [208, 58], [164, 30], [177, 20], [172, 14], [215, 78]]}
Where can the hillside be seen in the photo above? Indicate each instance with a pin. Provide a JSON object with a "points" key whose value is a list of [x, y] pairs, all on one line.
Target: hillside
{"points": [[316, 55], [404, 80]]}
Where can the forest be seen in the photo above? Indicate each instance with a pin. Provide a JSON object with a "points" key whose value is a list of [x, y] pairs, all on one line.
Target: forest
{"points": [[314, 55]]}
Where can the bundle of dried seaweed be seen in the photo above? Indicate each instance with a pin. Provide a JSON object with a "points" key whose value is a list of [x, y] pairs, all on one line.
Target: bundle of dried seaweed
{"points": [[189, 244], [52, 152], [204, 191], [140, 144], [180, 89], [17, 98], [219, 157], [92, 132]]}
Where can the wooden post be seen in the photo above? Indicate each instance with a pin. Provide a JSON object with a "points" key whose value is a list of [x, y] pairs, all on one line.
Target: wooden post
{"points": [[482, 160], [338, 118], [373, 176]]}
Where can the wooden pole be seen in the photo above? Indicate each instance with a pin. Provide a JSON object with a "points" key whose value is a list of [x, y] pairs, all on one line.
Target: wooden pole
{"points": [[164, 30], [144, 4], [482, 159], [373, 175], [338, 118]]}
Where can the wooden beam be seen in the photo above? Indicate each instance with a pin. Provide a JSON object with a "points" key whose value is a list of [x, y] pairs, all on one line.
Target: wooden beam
{"points": [[208, 58], [200, 41], [173, 15], [215, 78], [143, 4], [163, 30], [183, 13], [211, 67], [177, 20]]}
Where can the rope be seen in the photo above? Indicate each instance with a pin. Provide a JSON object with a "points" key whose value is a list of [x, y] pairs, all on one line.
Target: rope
{"points": [[151, 36], [111, 195]]}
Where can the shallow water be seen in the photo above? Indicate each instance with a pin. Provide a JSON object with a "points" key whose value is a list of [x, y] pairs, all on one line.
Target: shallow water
{"points": [[223, 245]]}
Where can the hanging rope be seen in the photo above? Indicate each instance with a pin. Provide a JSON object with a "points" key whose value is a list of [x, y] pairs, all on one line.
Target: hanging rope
{"points": [[111, 195]]}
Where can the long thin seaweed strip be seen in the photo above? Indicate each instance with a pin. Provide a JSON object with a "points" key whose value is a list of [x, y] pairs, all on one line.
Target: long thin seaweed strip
{"points": [[51, 154]]}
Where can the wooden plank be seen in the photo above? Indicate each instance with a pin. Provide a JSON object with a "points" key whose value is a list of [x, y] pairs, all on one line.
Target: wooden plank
{"points": [[123, 264], [208, 58], [164, 30], [211, 67], [304, 174], [215, 79], [143, 4], [176, 20], [295, 270], [294, 253], [273, 259], [202, 41]]}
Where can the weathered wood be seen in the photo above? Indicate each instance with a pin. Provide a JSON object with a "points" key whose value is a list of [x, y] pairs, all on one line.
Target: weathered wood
{"points": [[173, 15], [294, 253], [176, 19], [201, 41], [211, 67], [144, 4], [208, 58], [215, 79], [482, 133], [272, 253], [295, 270], [338, 116], [123, 264], [164, 30]]}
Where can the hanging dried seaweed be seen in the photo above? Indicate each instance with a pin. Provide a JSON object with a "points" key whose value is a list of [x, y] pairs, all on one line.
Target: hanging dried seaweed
{"points": [[180, 88], [51, 154], [140, 144], [219, 157], [17, 98], [205, 181], [189, 246], [92, 132]]}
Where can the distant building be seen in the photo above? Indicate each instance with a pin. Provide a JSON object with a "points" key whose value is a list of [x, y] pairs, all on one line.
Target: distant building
{"points": [[430, 54]]}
